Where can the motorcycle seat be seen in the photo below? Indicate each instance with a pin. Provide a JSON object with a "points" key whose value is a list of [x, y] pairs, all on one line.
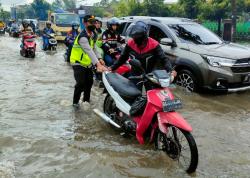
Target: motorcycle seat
{"points": [[123, 86]]}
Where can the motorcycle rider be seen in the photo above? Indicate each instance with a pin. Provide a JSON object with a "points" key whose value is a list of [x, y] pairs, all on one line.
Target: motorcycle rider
{"points": [[83, 56], [25, 29], [47, 31], [69, 40], [33, 26], [14, 25], [111, 38], [147, 50]]}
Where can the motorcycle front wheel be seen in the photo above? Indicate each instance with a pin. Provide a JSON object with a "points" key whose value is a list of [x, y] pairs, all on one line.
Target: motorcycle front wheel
{"points": [[110, 109], [109, 106], [179, 145]]}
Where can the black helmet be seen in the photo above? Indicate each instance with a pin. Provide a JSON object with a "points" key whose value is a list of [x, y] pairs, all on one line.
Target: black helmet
{"points": [[139, 32], [75, 25], [113, 21], [48, 23], [25, 23], [89, 18]]}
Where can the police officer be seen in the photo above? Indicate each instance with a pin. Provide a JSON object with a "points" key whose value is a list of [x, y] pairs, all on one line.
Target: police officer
{"points": [[83, 56]]}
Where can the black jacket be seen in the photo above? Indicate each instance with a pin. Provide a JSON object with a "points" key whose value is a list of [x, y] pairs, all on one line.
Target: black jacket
{"points": [[110, 39], [151, 57]]}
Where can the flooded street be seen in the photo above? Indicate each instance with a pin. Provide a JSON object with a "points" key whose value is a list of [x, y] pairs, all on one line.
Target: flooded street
{"points": [[41, 135]]}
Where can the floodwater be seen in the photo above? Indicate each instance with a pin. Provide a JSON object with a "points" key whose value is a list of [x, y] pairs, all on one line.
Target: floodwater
{"points": [[41, 135]]}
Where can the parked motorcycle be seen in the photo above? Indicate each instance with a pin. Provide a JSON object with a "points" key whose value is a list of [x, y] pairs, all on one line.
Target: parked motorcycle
{"points": [[28, 49], [151, 116]]}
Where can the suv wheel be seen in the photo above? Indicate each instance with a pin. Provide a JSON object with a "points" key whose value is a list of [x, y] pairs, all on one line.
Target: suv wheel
{"points": [[186, 79]]}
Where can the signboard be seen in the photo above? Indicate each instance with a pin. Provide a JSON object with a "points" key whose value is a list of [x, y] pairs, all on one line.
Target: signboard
{"points": [[81, 12]]}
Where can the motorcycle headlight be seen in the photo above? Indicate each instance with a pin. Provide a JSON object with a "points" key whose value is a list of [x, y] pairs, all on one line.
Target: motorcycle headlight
{"points": [[219, 61], [164, 82], [59, 33]]}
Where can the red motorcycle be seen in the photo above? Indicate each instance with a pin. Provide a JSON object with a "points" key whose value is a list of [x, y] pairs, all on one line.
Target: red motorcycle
{"points": [[125, 68], [151, 115], [28, 46]]}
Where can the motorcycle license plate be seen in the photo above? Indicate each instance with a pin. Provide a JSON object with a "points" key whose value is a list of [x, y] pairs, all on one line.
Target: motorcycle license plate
{"points": [[171, 105]]}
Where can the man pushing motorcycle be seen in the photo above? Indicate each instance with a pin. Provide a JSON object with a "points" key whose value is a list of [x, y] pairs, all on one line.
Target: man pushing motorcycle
{"points": [[152, 115], [147, 50]]}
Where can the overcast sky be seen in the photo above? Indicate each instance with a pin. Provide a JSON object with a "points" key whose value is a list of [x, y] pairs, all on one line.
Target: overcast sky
{"points": [[8, 3]]}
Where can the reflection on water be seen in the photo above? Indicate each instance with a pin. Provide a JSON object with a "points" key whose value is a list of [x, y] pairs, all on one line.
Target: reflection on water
{"points": [[41, 135]]}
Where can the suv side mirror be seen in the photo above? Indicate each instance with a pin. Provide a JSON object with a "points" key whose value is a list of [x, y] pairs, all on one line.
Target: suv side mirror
{"points": [[168, 42]]}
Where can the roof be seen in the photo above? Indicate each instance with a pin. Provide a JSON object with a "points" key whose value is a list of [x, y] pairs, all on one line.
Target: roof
{"points": [[165, 20]]}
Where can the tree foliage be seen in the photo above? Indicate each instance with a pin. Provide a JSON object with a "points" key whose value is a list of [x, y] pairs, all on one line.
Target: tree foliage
{"points": [[41, 8], [57, 4], [194, 9], [69, 4]]}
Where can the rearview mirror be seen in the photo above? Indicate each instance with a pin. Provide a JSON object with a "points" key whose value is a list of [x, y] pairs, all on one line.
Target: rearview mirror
{"points": [[168, 42]]}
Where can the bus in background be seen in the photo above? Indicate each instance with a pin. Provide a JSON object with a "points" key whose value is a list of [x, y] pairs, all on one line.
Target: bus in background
{"points": [[61, 23]]}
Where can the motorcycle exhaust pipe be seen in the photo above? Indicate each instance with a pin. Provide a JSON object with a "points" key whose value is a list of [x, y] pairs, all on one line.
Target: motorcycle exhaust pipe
{"points": [[106, 118]]}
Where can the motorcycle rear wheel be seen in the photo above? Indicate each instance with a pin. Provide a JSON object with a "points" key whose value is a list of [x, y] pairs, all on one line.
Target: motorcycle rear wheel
{"points": [[171, 144]]}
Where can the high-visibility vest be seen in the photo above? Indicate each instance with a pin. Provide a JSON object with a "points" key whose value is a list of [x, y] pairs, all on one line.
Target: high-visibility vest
{"points": [[78, 55]]}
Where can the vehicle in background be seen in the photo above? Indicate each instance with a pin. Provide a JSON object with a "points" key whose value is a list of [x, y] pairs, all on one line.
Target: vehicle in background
{"points": [[15, 32], [8, 25], [2, 28], [61, 23], [201, 59]]}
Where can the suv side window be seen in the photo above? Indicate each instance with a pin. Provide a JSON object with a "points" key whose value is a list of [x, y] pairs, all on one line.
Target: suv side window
{"points": [[156, 33], [123, 27], [129, 30]]}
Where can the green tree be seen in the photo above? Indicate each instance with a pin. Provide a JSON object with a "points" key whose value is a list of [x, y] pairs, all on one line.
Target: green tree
{"points": [[98, 11], [176, 10], [4, 15], [247, 2], [104, 3], [121, 8], [135, 7], [191, 7], [41, 8], [57, 4], [216, 10], [156, 8], [69, 4]]}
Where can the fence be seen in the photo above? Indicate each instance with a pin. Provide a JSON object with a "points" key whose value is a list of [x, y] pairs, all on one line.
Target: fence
{"points": [[242, 29]]}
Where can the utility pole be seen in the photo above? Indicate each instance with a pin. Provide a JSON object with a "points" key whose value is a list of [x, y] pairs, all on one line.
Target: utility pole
{"points": [[234, 18]]}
